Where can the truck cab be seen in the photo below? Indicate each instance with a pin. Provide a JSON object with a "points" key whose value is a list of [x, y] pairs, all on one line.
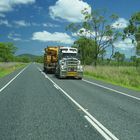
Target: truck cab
{"points": [[68, 64]]}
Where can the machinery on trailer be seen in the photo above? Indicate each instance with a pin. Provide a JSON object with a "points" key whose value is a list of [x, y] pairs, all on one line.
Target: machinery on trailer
{"points": [[50, 58]]}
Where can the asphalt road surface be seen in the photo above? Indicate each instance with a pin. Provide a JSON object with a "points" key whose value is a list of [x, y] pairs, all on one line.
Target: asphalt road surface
{"points": [[38, 106]]}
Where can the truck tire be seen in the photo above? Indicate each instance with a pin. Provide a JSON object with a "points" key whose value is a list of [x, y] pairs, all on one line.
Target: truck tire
{"points": [[44, 70], [79, 78]]}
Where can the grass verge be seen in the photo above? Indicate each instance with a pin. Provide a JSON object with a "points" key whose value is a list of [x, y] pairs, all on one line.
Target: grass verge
{"points": [[7, 68], [124, 76]]}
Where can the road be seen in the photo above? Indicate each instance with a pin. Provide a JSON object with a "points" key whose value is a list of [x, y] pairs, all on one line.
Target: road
{"points": [[38, 106]]}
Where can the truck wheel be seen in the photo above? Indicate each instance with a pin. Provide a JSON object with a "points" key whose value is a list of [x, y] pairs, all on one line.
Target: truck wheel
{"points": [[79, 78], [44, 69], [59, 76]]}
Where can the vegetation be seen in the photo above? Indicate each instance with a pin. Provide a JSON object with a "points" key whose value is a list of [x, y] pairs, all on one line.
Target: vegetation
{"points": [[133, 30], [6, 68], [29, 58], [96, 34], [9, 62], [7, 51], [119, 57], [7, 54], [127, 76]]}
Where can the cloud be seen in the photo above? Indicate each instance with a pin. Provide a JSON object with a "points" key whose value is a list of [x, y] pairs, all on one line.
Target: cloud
{"points": [[16, 37], [69, 10], [22, 23], [45, 36], [13, 36], [7, 5], [19, 23], [50, 25], [121, 23], [124, 45], [23, 1], [2, 15], [35, 24], [5, 22], [90, 34], [83, 32]]}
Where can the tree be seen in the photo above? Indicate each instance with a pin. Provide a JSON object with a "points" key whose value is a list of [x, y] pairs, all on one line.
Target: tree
{"points": [[7, 51], [102, 54], [86, 49], [39, 59], [119, 57], [135, 60], [133, 30], [95, 27]]}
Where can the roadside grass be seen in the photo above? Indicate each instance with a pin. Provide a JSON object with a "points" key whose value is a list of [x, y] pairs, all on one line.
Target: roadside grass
{"points": [[126, 76], [7, 68]]}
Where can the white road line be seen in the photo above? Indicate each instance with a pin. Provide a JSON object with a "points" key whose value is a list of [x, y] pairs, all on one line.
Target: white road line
{"points": [[56, 86], [12, 80], [111, 89], [85, 111], [98, 128]]}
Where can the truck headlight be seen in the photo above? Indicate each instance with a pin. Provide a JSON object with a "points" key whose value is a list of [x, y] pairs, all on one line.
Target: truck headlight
{"points": [[63, 67], [62, 63], [80, 67], [79, 62]]}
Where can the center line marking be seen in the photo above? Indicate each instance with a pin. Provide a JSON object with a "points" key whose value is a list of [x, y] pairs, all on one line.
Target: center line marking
{"points": [[97, 128]]}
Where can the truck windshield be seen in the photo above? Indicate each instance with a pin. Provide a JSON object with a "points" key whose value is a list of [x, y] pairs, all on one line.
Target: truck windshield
{"points": [[69, 55]]}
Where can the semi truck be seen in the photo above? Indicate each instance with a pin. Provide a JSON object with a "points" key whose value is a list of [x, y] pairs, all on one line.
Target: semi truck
{"points": [[63, 62]]}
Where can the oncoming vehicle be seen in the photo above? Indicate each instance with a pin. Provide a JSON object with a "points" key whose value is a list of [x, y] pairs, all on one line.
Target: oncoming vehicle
{"points": [[68, 64], [63, 62]]}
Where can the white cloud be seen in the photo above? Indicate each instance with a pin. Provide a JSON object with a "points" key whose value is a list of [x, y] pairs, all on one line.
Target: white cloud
{"points": [[69, 10], [83, 32], [125, 44], [13, 36], [22, 1], [21, 23], [5, 22], [52, 37], [16, 37], [7, 5], [121, 23], [90, 34], [35, 24], [50, 25]]}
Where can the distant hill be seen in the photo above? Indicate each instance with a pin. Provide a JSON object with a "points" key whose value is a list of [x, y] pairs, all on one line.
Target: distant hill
{"points": [[31, 57]]}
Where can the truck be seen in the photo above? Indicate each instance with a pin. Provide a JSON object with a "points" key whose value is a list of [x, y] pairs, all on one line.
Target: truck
{"points": [[50, 59], [63, 62]]}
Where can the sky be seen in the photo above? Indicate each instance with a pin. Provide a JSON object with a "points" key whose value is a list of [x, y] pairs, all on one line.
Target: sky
{"points": [[34, 24]]}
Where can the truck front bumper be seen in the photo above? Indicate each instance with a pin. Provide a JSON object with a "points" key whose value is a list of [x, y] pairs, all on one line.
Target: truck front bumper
{"points": [[77, 74]]}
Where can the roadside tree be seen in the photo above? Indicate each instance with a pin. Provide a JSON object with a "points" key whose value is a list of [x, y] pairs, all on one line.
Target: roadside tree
{"points": [[119, 57], [96, 28], [133, 31], [7, 51]]}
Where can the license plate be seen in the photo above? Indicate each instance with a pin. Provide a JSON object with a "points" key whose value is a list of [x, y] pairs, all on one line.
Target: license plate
{"points": [[71, 74]]}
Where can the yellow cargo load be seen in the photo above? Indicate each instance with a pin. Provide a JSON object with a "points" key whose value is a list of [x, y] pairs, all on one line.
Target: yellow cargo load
{"points": [[50, 58]]}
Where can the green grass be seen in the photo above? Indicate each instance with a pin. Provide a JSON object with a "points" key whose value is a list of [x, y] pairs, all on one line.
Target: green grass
{"points": [[7, 68], [124, 76]]}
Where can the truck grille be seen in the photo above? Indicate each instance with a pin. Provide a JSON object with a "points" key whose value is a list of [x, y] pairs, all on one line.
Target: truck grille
{"points": [[72, 65]]}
